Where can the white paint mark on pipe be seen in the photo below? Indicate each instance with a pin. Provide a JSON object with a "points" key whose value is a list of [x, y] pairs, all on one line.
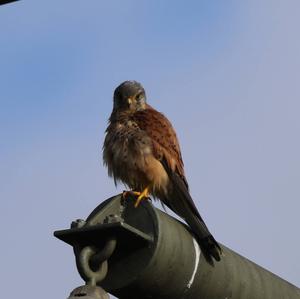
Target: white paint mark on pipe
{"points": [[197, 259]]}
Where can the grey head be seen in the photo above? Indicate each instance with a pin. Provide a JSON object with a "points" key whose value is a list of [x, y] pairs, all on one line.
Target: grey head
{"points": [[129, 96]]}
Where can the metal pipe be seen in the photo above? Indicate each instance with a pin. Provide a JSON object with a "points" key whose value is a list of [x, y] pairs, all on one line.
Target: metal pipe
{"points": [[157, 257]]}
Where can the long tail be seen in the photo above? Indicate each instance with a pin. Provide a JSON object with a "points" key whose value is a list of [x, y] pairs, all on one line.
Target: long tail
{"points": [[181, 202]]}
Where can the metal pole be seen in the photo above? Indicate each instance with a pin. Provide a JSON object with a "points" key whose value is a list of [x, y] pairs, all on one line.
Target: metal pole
{"points": [[157, 257]]}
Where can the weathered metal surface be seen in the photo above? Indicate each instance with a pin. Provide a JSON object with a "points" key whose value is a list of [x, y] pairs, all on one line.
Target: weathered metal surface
{"points": [[88, 292], [157, 257]]}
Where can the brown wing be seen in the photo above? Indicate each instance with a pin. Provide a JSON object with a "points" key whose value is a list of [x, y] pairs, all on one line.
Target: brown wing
{"points": [[164, 140], [166, 149]]}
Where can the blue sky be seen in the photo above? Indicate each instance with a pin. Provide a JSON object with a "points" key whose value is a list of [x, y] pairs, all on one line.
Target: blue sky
{"points": [[226, 73]]}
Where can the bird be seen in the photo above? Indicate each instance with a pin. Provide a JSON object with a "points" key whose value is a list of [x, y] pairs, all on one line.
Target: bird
{"points": [[141, 150]]}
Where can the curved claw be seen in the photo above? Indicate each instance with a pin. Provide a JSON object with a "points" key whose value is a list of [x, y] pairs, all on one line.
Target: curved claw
{"points": [[125, 193], [143, 195]]}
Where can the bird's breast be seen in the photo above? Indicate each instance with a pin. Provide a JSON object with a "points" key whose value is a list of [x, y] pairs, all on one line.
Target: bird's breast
{"points": [[126, 149], [127, 152]]}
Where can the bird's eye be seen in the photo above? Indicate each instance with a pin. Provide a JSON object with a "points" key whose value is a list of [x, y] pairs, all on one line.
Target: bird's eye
{"points": [[139, 97]]}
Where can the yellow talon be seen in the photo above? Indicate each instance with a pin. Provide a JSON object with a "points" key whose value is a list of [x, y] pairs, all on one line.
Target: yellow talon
{"points": [[127, 193], [143, 195]]}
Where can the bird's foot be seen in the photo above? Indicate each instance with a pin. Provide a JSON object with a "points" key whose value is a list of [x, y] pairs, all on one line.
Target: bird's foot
{"points": [[141, 196], [125, 193]]}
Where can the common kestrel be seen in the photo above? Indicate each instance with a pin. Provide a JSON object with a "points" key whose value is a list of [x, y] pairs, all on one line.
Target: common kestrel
{"points": [[141, 150]]}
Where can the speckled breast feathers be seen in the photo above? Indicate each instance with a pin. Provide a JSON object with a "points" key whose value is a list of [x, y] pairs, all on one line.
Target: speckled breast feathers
{"points": [[134, 149]]}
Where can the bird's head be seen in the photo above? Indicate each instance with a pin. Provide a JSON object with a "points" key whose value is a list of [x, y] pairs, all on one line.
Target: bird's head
{"points": [[129, 96]]}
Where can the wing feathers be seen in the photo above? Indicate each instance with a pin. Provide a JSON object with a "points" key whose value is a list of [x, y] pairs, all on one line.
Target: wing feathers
{"points": [[166, 149], [181, 202], [164, 139]]}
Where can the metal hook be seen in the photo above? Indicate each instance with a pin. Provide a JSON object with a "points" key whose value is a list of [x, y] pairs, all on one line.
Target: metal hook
{"points": [[91, 255]]}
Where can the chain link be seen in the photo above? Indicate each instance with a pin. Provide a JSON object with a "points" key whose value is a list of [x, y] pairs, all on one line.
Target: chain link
{"points": [[91, 255]]}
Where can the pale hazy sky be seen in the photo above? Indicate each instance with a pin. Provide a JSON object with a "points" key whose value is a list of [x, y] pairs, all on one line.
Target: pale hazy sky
{"points": [[226, 73]]}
